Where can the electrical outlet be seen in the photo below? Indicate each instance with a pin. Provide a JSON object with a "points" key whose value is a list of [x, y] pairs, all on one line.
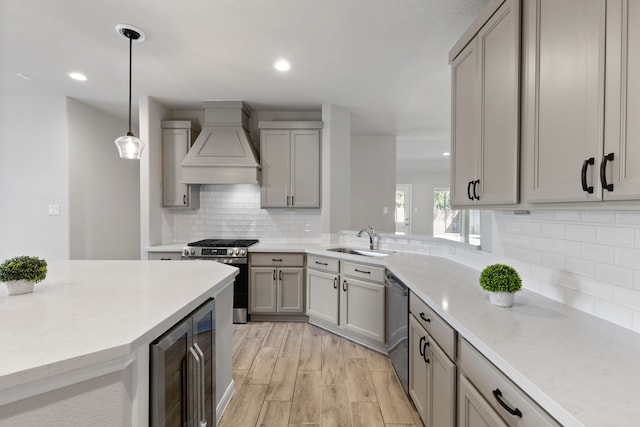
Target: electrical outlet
{"points": [[385, 210], [54, 210]]}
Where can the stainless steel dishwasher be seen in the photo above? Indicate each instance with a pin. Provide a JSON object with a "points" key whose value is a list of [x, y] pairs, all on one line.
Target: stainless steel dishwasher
{"points": [[398, 327]]}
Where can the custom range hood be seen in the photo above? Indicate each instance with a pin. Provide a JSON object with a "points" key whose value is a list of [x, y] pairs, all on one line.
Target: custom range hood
{"points": [[223, 152]]}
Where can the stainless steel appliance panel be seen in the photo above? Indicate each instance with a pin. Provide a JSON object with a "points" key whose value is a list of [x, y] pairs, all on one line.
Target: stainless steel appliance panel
{"points": [[398, 327]]}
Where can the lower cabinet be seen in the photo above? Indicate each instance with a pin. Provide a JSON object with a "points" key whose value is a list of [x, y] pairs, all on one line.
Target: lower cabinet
{"points": [[347, 298], [432, 378], [279, 287], [488, 398]]}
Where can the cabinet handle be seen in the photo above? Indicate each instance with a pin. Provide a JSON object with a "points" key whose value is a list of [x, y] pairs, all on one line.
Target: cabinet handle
{"points": [[292, 203], [335, 283], [288, 200], [469, 190], [362, 271], [585, 165], [425, 318], [280, 275], [344, 286], [603, 172], [420, 346], [424, 352], [184, 199], [322, 263], [498, 394], [475, 193], [274, 275]]}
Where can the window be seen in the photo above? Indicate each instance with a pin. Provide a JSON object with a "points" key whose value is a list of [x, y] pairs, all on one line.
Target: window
{"points": [[454, 224]]}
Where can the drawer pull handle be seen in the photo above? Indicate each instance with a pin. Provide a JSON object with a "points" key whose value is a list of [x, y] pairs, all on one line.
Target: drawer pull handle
{"points": [[165, 259], [322, 263], [362, 271], [498, 394], [276, 260], [335, 283], [425, 318]]}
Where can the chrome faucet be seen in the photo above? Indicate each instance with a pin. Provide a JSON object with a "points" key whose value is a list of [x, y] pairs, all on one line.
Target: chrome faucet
{"points": [[372, 237]]}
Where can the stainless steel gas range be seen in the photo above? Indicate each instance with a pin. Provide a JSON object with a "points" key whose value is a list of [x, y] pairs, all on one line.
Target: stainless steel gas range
{"points": [[228, 251]]}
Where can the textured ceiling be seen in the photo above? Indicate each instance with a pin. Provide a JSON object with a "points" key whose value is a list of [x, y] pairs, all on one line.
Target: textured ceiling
{"points": [[384, 60]]}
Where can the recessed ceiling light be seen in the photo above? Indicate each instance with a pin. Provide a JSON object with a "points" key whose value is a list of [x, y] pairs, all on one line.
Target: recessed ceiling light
{"points": [[23, 76], [446, 154], [77, 76], [282, 65]]}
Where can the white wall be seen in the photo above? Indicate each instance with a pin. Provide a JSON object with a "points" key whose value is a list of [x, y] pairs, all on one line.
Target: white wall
{"points": [[422, 187], [34, 165], [373, 182], [335, 169], [104, 190], [151, 115]]}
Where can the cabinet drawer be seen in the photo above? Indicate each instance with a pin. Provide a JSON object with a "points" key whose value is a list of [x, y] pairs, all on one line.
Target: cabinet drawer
{"points": [[165, 256], [440, 330], [277, 259], [363, 271], [323, 264], [489, 381]]}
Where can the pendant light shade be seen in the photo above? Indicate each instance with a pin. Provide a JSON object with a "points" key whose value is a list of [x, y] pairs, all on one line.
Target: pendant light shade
{"points": [[129, 145]]}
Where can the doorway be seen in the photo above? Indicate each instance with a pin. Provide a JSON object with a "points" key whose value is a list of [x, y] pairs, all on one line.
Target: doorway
{"points": [[403, 209]]}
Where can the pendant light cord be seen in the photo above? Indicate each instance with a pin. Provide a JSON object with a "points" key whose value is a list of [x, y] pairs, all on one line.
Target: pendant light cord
{"points": [[130, 68]]}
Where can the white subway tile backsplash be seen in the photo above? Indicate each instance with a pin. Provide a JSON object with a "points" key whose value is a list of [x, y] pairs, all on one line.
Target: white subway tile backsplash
{"points": [[614, 313], [598, 289], [616, 236], [580, 267], [564, 247], [627, 218], [627, 298], [627, 257], [597, 217], [579, 301], [614, 275], [599, 253], [553, 230], [552, 261], [581, 233], [566, 216]]}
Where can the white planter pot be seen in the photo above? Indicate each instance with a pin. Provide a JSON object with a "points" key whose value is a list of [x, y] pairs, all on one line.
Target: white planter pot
{"points": [[501, 299], [17, 287]]}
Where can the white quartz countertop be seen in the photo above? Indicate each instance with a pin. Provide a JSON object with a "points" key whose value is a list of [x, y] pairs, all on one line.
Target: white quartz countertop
{"points": [[90, 312], [583, 370]]}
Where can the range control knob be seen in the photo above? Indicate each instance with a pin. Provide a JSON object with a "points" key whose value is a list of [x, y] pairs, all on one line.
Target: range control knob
{"points": [[243, 252], [236, 251], [186, 252]]}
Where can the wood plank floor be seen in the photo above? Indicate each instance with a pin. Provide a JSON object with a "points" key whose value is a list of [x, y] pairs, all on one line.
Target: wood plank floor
{"points": [[295, 374]]}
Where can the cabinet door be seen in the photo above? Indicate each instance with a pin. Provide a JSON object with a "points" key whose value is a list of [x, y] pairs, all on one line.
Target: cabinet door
{"points": [[442, 387], [322, 296], [465, 126], [275, 162], [305, 168], [622, 108], [364, 304], [175, 144], [499, 57], [262, 292], [566, 46], [418, 368], [473, 410], [290, 290]]}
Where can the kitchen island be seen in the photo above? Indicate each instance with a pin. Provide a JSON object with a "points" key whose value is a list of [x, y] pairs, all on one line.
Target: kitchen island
{"points": [[76, 350]]}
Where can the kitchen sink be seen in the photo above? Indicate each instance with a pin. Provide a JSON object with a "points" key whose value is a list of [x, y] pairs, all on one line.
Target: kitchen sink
{"points": [[363, 252]]}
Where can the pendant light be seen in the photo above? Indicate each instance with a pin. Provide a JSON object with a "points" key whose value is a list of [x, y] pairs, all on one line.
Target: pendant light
{"points": [[129, 145]]}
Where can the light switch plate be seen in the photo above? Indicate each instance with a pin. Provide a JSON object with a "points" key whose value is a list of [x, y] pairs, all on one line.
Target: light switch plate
{"points": [[54, 210]]}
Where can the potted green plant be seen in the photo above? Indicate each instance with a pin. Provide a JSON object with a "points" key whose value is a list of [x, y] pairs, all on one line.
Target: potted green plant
{"points": [[20, 273], [502, 282]]}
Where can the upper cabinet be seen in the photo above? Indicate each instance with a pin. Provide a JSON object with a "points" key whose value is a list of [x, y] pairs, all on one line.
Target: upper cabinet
{"points": [[177, 138], [485, 111], [290, 162], [582, 91]]}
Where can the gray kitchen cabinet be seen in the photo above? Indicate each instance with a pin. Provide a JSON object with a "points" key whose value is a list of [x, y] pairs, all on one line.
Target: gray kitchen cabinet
{"points": [[488, 395], [582, 95], [177, 138], [323, 293], [432, 374], [290, 163], [362, 300], [473, 409], [485, 135], [276, 283]]}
